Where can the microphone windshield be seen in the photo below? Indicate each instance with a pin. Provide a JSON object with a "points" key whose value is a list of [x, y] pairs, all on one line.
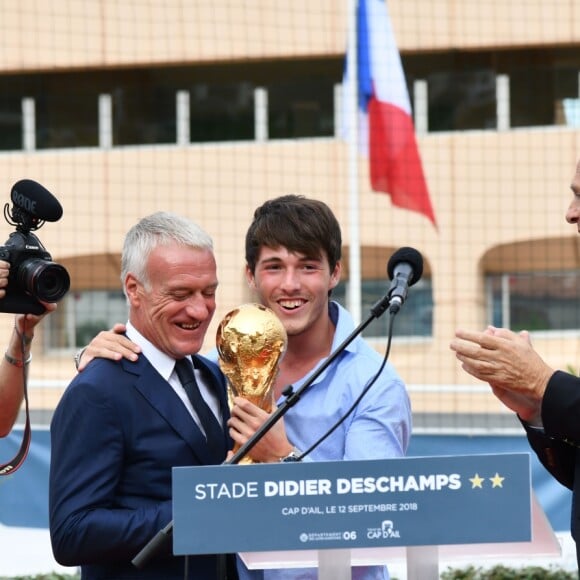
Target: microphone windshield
{"points": [[408, 256], [34, 199]]}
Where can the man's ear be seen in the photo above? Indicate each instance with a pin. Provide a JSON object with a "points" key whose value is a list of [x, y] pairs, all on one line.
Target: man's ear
{"points": [[335, 275], [132, 286], [250, 279]]}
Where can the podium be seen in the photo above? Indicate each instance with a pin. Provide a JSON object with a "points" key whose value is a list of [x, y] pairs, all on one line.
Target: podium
{"points": [[338, 514], [422, 562]]}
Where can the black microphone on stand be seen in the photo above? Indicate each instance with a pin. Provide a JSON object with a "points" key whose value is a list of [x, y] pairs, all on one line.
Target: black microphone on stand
{"points": [[406, 265], [405, 268]]}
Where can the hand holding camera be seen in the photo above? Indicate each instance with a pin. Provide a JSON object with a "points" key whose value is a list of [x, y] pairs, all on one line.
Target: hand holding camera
{"points": [[33, 277]]}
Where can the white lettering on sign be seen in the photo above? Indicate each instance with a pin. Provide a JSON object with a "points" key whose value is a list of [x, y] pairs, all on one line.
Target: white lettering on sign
{"points": [[289, 487], [386, 483], [233, 490]]}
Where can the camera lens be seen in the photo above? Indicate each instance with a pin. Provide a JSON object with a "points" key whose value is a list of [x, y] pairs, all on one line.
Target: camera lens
{"points": [[43, 280]]}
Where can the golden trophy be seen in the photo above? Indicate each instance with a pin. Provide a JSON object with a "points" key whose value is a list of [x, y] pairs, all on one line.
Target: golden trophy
{"points": [[250, 342]]}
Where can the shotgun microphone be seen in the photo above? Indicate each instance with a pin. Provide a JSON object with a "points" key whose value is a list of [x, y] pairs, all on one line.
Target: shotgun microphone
{"points": [[33, 203]]}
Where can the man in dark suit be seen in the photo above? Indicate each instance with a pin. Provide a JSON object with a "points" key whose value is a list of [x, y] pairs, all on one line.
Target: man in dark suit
{"points": [[546, 401], [120, 427]]}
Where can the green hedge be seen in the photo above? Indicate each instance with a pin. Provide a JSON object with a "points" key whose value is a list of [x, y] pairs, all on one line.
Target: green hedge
{"points": [[503, 573], [469, 573], [51, 576]]}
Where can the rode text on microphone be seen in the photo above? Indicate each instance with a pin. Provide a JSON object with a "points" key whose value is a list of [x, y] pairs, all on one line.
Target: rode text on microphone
{"points": [[34, 277]]}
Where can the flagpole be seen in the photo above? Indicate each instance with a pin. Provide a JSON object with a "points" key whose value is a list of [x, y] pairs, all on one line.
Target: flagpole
{"points": [[354, 295]]}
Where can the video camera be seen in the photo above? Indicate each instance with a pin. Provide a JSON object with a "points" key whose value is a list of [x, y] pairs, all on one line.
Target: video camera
{"points": [[34, 277]]}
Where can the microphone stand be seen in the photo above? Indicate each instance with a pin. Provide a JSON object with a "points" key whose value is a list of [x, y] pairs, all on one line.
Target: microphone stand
{"points": [[292, 397]]}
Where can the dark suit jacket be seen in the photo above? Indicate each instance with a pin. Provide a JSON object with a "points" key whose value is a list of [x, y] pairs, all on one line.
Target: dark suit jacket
{"points": [[558, 444], [115, 435]]}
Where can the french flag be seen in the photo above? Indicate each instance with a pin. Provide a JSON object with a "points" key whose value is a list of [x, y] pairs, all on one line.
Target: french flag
{"points": [[386, 126]]}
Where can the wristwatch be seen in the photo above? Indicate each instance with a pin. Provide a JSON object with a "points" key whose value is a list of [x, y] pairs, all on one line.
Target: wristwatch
{"points": [[294, 455], [77, 357]]}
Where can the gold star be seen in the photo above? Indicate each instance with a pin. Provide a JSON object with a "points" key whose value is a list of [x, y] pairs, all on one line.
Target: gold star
{"points": [[496, 480], [476, 481]]}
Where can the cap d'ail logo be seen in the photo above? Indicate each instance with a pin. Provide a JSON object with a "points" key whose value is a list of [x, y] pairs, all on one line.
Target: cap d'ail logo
{"points": [[385, 532]]}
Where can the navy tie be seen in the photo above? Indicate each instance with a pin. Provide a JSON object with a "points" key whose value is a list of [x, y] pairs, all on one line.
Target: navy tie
{"points": [[213, 432]]}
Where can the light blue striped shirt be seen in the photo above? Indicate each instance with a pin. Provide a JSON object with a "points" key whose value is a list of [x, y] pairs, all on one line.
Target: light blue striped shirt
{"points": [[379, 427]]}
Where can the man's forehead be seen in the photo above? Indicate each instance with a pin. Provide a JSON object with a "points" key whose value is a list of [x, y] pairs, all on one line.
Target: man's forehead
{"points": [[267, 252]]}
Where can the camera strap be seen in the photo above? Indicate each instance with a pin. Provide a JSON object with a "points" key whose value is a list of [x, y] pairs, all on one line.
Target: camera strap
{"points": [[18, 460]]}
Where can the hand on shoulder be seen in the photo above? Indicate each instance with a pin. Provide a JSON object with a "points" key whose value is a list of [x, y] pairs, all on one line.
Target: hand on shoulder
{"points": [[111, 344]]}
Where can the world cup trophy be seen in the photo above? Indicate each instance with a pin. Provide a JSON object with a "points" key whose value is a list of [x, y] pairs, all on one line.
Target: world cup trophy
{"points": [[251, 342]]}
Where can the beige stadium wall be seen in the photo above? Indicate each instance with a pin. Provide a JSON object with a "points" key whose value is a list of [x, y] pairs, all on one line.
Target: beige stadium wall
{"points": [[495, 194], [48, 35], [490, 190]]}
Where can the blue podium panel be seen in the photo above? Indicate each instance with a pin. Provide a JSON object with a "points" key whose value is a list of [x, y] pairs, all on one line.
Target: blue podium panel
{"points": [[410, 501]]}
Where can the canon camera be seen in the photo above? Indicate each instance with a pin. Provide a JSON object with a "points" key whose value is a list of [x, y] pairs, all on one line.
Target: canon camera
{"points": [[34, 278]]}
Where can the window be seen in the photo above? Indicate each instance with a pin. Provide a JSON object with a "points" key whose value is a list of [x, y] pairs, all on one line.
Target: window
{"points": [[301, 108], [10, 123], [143, 114], [221, 112], [544, 301], [462, 100], [300, 100], [66, 119], [537, 91], [83, 314], [414, 319]]}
